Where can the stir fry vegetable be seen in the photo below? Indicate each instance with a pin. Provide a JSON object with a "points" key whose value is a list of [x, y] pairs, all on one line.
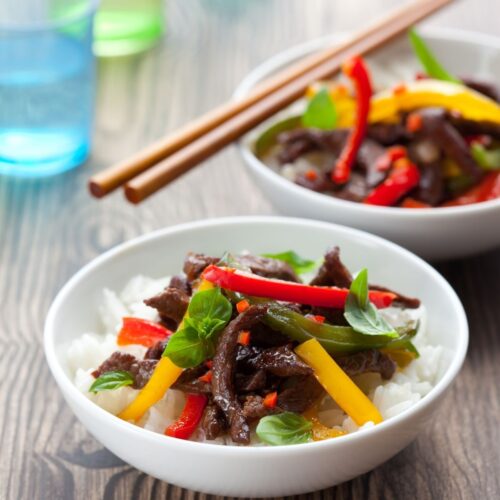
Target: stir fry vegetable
{"points": [[186, 424], [141, 331]]}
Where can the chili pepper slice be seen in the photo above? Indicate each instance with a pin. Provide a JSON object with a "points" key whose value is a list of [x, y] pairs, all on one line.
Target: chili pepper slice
{"points": [[207, 377], [251, 284], [141, 331], [244, 337], [186, 424], [391, 155], [487, 189], [356, 70], [271, 400], [403, 177], [242, 306]]}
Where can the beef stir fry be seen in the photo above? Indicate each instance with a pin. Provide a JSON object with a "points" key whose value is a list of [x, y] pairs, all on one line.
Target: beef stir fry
{"points": [[256, 351], [432, 142]]}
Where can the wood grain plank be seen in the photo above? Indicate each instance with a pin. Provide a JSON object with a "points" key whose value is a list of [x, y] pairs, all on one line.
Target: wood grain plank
{"points": [[50, 229]]}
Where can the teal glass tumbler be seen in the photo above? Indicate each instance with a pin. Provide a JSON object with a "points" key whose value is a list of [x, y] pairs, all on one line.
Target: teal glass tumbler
{"points": [[46, 85]]}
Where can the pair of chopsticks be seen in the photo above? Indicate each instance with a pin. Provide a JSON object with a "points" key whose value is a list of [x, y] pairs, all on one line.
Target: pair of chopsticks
{"points": [[159, 164]]}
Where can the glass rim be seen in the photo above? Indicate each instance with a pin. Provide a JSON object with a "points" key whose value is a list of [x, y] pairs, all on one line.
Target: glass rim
{"points": [[89, 10]]}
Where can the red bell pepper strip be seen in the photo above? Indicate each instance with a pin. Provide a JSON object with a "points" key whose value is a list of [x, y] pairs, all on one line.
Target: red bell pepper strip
{"points": [[356, 70], [257, 286], [141, 331], [190, 417], [403, 177], [487, 189]]}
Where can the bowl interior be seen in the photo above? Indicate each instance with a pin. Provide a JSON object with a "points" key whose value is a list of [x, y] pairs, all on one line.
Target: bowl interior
{"points": [[75, 310]]}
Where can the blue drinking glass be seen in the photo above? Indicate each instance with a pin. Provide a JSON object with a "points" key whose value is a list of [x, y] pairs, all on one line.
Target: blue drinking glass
{"points": [[46, 85]]}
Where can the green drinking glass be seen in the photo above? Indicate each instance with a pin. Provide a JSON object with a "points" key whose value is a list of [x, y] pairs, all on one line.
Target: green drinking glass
{"points": [[124, 27]]}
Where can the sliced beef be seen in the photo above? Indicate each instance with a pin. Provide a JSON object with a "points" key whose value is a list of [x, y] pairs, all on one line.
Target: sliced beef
{"points": [[171, 304], [280, 361], [321, 183], [156, 350], [181, 283], [195, 263], [189, 381], [367, 361], [299, 393], [400, 300], [213, 421], [250, 383], [388, 134], [486, 88], [332, 316], [268, 268], [332, 272], [472, 127], [435, 125], [253, 408], [356, 189], [141, 370], [368, 154], [224, 368], [431, 187], [263, 336]]}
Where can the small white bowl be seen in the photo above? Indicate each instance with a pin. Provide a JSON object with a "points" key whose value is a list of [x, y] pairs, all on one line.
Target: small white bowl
{"points": [[238, 470], [432, 233]]}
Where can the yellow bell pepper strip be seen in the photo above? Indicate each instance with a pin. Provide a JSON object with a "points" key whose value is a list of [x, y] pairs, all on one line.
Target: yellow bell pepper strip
{"points": [[164, 375], [320, 432], [338, 384], [385, 105]]}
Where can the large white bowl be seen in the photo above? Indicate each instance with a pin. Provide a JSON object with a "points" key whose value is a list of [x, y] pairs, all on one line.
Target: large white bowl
{"points": [[431, 233], [258, 471]]}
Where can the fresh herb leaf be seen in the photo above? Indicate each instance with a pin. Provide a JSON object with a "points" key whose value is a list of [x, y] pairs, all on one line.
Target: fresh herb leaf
{"points": [[298, 263], [207, 314], [320, 112], [186, 348], [111, 380], [361, 314], [428, 60], [488, 159], [268, 137], [284, 428]]}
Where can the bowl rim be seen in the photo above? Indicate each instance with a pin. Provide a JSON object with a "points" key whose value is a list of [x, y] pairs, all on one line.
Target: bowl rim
{"points": [[71, 392], [286, 57]]}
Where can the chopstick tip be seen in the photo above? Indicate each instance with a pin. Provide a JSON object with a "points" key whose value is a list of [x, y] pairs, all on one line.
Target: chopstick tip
{"points": [[96, 189], [132, 195]]}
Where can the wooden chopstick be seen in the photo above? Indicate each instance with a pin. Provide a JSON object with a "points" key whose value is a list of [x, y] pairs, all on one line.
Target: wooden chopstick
{"points": [[208, 134]]}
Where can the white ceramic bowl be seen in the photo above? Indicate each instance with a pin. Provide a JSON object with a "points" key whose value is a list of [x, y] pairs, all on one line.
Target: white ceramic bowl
{"points": [[431, 233], [258, 471]]}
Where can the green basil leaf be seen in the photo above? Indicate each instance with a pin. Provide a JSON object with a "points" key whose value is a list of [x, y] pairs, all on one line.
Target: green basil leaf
{"points": [[320, 112], [111, 380], [210, 304], [284, 428], [488, 159], [431, 65], [206, 327], [361, 314], [298, 263], [186, 349]]}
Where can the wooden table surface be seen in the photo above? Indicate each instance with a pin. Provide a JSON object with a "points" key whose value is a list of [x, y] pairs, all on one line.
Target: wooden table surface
{"points": [[49, 229]]}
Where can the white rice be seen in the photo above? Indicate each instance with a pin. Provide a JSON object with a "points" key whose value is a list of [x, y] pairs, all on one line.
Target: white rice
{"points": [[88, 351]]}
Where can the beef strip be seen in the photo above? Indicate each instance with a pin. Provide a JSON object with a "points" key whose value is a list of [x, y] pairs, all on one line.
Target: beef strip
{"points": [[332, 316], [431, 187], [156, 350], [436, 126], [171, 304], [300, 393], [388, 134], [141, 370], [189, 381], [179, 281], [472, 127], [250, 383], [213, 421], [253, 407], [368, 154], [332, 272], [268, 268], [321, 183], [224, 367], [280, 361], [486, 88], [400, 300], [195, 263], [367, 361], [263, 336]]}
